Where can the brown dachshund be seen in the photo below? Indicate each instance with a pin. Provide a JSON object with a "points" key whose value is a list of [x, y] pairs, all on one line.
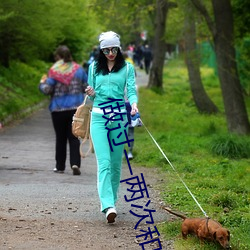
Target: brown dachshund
{"points": [[204, 229]]}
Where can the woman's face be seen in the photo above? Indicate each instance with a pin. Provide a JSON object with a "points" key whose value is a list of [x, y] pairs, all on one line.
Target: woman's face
{"points": [[110, 53]]}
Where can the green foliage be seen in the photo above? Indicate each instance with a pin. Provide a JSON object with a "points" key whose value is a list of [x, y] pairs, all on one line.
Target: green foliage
{"points": [[19, 87], [176, 18], [243, 59], [224, 200], [128, 18], [175, 25], [29, 33], [241, 17], [231, 146], [219, 183]]}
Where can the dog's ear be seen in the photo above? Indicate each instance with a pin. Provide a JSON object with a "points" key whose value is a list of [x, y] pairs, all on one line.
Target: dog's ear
{"points": [[214, 235], [228, 237]]}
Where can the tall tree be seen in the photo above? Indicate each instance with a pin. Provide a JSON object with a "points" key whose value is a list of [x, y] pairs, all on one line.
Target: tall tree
{"points": [[223, 38], [159, 44], [201, 99]]}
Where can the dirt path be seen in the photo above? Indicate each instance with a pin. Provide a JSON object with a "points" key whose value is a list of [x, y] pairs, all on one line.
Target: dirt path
{"points": [[43, 210]]}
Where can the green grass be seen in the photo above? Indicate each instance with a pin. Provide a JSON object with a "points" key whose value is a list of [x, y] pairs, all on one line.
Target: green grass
{"points": [[214, 164], [19, 88]]}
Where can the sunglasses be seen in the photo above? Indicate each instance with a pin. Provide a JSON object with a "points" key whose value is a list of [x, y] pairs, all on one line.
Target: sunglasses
{"points": [[106, 51]]}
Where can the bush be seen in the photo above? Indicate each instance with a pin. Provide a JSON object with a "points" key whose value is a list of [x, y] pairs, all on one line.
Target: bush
{"points": [[19, 88], [224, 200], [231, 146]]}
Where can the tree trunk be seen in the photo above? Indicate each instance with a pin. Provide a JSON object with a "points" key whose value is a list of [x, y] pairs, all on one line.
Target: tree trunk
{"points": [[235, 109], [159, 46], [223, 38], [201, 99]]}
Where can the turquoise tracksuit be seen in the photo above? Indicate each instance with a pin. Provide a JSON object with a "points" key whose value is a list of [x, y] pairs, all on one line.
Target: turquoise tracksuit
{"points": [[105, 133]]}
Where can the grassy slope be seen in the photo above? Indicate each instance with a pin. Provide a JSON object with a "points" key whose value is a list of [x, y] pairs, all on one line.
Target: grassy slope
{"points": [[220, 184], [19, 88]]}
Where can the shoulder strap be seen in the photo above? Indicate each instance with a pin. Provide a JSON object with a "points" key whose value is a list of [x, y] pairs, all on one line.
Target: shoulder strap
{"points": [[87, 136], [85, 99], [90, 149], [126, 84], [126, 73], [85, 140], [93, 72]]}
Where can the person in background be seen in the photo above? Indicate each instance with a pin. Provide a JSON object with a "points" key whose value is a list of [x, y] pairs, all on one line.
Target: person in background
{"points": [[138, 53], [147, 54], [93, 54], [108, 78], [65, 83], [92, 57], [128, 58]]}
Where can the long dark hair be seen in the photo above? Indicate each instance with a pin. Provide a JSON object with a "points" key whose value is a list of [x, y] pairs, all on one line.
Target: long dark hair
{"points": [[102, 67]]}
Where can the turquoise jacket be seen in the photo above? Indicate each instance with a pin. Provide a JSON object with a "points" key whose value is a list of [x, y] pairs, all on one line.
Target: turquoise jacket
{"points": [[113, 85]]}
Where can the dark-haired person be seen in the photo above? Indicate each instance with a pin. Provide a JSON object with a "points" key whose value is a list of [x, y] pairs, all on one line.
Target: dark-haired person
{"points": [[65, 84], [108, 77], [148, 57]]}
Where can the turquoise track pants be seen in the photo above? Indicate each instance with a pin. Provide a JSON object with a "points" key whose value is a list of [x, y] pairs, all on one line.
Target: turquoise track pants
{"points": [[108, 163]]}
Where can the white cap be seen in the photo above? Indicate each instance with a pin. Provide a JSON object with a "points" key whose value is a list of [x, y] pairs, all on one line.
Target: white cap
{"points": [[109, 39]]}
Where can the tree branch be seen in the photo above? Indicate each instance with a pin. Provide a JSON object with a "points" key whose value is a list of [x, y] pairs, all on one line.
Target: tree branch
{"points": [[202, 9]]}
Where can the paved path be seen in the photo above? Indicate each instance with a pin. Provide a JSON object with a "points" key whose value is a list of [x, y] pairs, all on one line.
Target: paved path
{"points": [[30, 190], [141, 78]]}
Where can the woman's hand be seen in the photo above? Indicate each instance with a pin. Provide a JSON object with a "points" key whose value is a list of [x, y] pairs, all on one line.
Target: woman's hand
{"points": [[134, 109], [43, 79], [90, 91]]}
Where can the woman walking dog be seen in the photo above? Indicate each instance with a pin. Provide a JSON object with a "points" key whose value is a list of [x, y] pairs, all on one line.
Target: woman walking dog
{"points": [[108, 78]]}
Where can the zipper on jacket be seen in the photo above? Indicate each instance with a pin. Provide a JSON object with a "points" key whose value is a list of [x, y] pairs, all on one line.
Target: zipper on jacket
{"points": [[109, 84]]}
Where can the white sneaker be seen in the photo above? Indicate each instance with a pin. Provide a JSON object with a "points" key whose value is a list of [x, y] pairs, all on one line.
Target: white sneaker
{"points": [[111, 214], [130, 156], [58, 171]]}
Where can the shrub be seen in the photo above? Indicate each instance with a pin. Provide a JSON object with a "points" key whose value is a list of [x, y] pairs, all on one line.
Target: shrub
{"points": [[231, 146], [223, 200]]}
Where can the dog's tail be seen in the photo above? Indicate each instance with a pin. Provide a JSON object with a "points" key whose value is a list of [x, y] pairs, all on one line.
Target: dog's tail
{"points": [[175, 213]]}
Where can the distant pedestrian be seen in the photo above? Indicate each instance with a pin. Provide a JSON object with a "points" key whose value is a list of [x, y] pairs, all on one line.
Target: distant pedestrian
{"points": [[65, 84], [147, 55], [138, 56], [93, 55], [108, 78]]}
